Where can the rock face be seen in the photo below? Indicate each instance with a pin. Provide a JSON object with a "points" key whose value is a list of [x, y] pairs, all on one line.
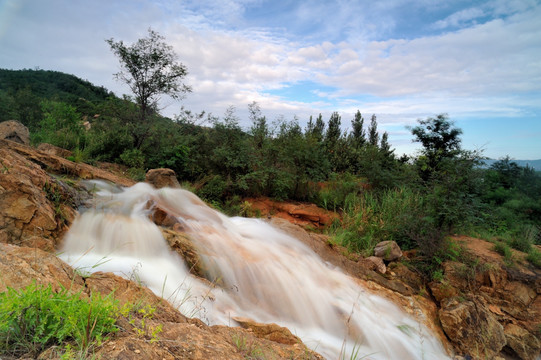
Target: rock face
{"points": [[486, 285], [388, 251], [14, 131], [474, 329], [36, 207], [163, 177]]}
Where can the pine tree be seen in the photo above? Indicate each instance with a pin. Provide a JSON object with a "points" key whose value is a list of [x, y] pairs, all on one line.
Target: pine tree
{"points": [[358, 135], [373, 135]]}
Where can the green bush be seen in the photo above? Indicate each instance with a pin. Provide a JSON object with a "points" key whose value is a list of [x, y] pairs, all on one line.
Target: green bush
{"points": [[133, 158], [35, 318]]}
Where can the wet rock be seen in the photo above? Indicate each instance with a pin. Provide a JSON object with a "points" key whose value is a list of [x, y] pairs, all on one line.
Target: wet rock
{"points": [[181, 244], [472, 328], [524, 344], [14, 131], [388, 250], [162, 177]]}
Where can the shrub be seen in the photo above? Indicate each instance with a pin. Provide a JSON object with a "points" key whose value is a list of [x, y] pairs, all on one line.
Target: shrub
{"points": [[34, 318]]}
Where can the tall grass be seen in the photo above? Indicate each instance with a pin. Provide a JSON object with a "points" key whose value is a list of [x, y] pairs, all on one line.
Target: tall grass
{"points": [[369, 218]]}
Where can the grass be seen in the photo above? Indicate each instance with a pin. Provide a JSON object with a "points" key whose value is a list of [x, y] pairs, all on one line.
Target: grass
{"points": [[368, 219], [248, 349], [35, 318]]}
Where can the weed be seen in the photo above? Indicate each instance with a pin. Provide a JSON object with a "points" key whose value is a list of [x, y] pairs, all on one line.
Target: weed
{"points": [[35, 318], [437, 275], [4, 169], [139, 315], [249, 350]]}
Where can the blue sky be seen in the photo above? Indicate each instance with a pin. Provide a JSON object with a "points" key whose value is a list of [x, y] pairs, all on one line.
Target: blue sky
{"points": [[403, 60]]}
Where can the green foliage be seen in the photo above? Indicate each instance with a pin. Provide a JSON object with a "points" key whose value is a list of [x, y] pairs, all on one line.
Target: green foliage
{"points": [[534, 257], [133, 158], [35, 318], [368, 219], [334, 193], [61, 126], [440, 140]]}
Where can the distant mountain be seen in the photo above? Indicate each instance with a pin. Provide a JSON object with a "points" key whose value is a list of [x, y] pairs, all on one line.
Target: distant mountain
{"points": [[534, 164]]}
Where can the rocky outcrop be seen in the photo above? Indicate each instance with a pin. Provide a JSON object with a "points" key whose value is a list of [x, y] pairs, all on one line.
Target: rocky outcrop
{"points": [[484, 291], [34, 210], [162, 177], [388, 251], [60, 166], [474, 329], [14, 131], [39, 193]]}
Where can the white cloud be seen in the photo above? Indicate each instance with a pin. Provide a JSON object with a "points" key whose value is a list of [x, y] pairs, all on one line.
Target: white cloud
{"points": [[460, 18]]}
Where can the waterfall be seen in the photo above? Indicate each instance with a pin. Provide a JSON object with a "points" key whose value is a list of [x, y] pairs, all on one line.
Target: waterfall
{"points": [[257, 272]]}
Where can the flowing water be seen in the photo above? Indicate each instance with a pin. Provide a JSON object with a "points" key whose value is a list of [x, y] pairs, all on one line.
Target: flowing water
{"points": [[258, 272]]}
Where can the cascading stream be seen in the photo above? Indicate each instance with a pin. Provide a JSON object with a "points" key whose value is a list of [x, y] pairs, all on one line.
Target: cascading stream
{"points": [[260, 273]]}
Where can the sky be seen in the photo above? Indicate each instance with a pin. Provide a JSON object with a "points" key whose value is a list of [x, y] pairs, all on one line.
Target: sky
{"points": [[402, 60]]}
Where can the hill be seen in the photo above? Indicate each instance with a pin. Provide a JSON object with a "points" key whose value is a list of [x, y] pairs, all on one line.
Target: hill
{"points": [[51, 84]]}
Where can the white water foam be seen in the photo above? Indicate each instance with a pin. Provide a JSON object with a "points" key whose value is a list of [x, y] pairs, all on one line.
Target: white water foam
{"points": [[259, 273]]}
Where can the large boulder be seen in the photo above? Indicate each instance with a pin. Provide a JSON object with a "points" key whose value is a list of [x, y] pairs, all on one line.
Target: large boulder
{"points": [[14, 131], [473, 329], [388, 251], [162, 177]]}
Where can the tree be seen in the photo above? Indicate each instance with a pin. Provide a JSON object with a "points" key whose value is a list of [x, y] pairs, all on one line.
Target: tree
{"points": [[358, 135], [150, 68], [333, 131], [373, 135], [439, 137]]}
